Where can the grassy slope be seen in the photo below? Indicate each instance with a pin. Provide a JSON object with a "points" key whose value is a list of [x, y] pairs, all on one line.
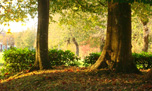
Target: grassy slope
{"points": [[73, 79]]}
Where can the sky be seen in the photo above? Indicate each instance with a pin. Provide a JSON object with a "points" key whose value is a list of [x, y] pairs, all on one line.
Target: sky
{"points": [[20, 26]]}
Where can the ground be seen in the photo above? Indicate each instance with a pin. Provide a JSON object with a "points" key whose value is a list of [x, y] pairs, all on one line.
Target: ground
{"points": [[74, 79]]}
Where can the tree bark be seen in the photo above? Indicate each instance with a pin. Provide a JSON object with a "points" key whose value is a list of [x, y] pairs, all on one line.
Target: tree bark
{"points": [[117, 50], [68, 41], [145, 35], [77, 46], [42, 61], [102, 42]]}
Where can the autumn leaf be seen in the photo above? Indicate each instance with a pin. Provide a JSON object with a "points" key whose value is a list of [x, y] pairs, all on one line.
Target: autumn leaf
{"points": [[64, 83], [147, 86]]}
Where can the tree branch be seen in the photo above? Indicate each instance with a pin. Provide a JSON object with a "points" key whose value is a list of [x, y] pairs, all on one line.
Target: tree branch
{"points": [[2, 6], [102, 4], [85, 7], [81, 4]]}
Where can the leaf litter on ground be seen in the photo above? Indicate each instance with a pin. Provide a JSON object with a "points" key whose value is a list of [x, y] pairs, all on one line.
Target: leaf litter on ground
{"points": [[73, 79]]}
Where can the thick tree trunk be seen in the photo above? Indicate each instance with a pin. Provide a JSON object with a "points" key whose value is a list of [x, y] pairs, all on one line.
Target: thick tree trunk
{"points": [[42, 61], [76, 45], [145, 36], [117, 50]]}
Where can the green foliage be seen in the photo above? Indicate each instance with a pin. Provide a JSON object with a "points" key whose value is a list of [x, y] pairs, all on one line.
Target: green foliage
{"points": [[1, 55], [60, 57], [16, 60], [1, 60], [131, 1], [91, 59], [143, 11], [91, 26], [14, 10], [25, 39], [143, 60]]}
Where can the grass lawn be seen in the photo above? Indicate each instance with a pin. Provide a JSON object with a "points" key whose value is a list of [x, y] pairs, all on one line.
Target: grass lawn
{"points": [[74, 79]]}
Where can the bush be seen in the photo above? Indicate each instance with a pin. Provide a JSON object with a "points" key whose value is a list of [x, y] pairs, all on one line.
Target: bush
{"points": [[91, 59], [60, 57], [142, 60], [16, 60]]}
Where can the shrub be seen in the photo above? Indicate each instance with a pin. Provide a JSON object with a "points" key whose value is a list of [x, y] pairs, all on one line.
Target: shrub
{"points": [[60, 57], [16, 60], [91, 59], [142, 60]]}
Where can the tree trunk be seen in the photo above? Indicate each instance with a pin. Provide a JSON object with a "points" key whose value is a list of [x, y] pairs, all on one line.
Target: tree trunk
{"points": [[145, 35], [42, 61], [77, 46], [68, 42], [117, 50], [102, 42]]}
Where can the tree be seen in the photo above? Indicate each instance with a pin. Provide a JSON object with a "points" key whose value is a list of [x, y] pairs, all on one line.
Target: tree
{"points": [[145, 34], [143, 11], [90, 25], [117, 50], [42, 61], [25, 39], [17, 10]]}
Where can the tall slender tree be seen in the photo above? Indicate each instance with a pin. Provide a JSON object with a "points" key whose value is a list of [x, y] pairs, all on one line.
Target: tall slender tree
{"points": [[42, 61], [143, 11], [145, 34]]}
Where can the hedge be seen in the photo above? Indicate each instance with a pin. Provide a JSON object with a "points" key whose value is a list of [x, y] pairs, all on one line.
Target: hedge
{"points": [[142, 60], [16, 60]]}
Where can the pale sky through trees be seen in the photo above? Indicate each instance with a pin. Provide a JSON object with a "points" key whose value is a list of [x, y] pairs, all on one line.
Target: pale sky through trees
{"points": [[20, 26]]}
